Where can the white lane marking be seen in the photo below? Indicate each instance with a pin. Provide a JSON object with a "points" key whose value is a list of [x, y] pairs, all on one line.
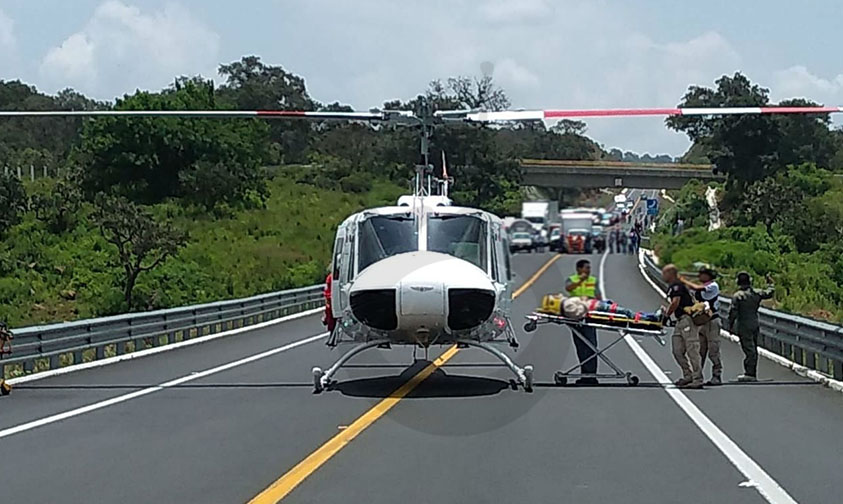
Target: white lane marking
{"points": [[799, 369], [152, 351], [769, 488], [150, 390]]}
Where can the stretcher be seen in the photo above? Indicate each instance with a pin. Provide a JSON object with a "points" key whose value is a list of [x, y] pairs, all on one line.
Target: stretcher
{"points": [[606, 321]]}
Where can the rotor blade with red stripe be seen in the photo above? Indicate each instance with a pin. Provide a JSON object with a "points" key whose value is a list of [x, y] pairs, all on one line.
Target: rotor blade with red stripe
{"points": [[532, 115], [268, 114]]}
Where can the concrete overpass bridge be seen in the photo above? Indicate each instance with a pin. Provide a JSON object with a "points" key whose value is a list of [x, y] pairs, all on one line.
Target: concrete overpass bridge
{"points": [[556, 173]]}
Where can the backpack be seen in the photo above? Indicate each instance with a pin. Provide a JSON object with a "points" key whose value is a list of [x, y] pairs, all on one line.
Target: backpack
{"points": [[700, 312]]}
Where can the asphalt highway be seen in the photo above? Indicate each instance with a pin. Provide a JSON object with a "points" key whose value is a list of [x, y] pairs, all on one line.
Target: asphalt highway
{"points": [[462, 435]]}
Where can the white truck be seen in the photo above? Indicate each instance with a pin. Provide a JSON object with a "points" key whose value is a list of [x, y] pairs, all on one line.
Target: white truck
{"points": [[541, 214], [577, 232]]}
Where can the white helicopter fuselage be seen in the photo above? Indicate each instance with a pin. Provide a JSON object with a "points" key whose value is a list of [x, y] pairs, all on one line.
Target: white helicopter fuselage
{"points": [[421, 273]]}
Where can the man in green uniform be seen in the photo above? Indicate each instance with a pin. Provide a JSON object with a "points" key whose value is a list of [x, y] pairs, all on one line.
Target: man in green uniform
{"points": [[743, 321]]}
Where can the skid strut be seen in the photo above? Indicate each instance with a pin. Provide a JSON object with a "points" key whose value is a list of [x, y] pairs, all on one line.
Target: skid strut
{"points": [[524, 375], [322, 379]]}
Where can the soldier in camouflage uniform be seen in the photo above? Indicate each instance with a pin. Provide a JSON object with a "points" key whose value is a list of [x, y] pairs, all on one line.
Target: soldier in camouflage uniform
{"points": [[743, 321]]}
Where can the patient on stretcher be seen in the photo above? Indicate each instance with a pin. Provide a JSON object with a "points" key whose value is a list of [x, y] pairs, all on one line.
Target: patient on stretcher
{"points": [[580, 308]]}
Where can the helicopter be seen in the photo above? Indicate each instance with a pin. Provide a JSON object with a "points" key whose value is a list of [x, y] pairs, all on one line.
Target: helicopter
{"points": [[424, 272]]}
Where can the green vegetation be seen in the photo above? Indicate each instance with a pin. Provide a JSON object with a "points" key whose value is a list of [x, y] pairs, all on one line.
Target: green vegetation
{"points": [[149, 213], [77, 274], [782, 204], [159, 212]]}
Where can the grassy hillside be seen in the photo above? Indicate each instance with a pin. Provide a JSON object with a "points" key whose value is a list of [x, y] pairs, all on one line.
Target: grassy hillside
{"points": [[806, 283], [45, 277]]}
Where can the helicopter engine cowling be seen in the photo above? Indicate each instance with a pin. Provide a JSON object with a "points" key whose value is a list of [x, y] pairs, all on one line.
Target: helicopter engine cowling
{"points": [[419, 297]]}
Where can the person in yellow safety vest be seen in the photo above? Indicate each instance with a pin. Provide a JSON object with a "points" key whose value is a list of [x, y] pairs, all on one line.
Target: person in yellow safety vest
{"points": [[583, 284]]}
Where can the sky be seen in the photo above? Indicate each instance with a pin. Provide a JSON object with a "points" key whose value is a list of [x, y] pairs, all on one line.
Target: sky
{"points": [[546, 53]]}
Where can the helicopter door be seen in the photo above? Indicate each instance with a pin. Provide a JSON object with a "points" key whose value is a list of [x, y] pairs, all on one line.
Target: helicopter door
{"points": [[337, 283], [347, 258], [500, 264]]}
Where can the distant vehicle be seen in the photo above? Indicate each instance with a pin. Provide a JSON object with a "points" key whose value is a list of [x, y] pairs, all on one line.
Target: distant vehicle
{"points": [[520, 226], [540, 240], [508, 221], [555, 240], [576, 232], [579, 241], [541, 214], [607, 219], [520, 241]]}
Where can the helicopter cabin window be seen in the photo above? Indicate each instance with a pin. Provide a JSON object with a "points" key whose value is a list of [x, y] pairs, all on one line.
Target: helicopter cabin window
{"points": [[349, 274], [507, 272], [462, 236], [335, 274], [494, 267], [383, 236]]}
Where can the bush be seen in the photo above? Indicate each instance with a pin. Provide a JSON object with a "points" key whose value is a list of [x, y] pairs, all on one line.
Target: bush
{"points": [[12, 201], [356, 183]]}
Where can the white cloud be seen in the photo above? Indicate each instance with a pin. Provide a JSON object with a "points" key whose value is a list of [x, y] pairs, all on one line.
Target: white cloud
{"points": [[798, 82], [510, 11], [73, 60], [511, 75], [123, 48], [7, 32], [9, 49]]}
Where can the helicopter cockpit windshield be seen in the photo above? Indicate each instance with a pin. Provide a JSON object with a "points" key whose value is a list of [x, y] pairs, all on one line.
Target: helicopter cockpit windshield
{"points": [[462, 236], [382, 236]]}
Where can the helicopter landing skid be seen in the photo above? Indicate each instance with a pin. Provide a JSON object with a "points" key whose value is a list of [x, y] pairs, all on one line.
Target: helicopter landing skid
{"points": [[524, 375], [322, 379]]}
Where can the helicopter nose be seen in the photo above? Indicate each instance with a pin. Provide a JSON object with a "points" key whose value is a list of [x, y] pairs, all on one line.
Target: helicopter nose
{"points": [[422, 290]]}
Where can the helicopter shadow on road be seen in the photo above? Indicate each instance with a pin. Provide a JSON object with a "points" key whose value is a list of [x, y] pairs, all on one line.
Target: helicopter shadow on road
{"points": [[439, 384]]}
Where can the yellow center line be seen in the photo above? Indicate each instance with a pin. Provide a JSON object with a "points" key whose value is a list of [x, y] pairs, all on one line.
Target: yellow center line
{"points": [[529, 283], [281, 487]]}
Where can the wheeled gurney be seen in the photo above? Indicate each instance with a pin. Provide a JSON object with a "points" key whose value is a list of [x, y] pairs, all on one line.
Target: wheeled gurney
{"points": [[622, 325]]}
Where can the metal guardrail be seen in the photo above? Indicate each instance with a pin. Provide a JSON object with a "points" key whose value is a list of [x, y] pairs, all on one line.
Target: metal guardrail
{"points": [[40, 348], [811, 343]]}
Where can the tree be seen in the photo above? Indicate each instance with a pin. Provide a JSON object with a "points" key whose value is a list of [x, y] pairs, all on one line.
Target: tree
{"points": [[142, 241], [204, 161], [52, 134], [568, 127], [478, 94], [58, 205], [804, 138], [12, 201], [742, 146], [252, 85]]}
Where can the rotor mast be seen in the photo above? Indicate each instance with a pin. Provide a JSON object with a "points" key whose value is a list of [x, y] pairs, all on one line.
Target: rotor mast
{"points": [[425, 181]]}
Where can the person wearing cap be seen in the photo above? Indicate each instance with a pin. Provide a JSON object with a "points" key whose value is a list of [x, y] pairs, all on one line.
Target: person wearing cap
{"points": [[686, 338], [708, 290], [743, 321]]}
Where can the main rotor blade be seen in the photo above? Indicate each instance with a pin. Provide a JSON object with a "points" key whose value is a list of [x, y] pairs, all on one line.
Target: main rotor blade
{"points": [[532, 115], [267, 114]]}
